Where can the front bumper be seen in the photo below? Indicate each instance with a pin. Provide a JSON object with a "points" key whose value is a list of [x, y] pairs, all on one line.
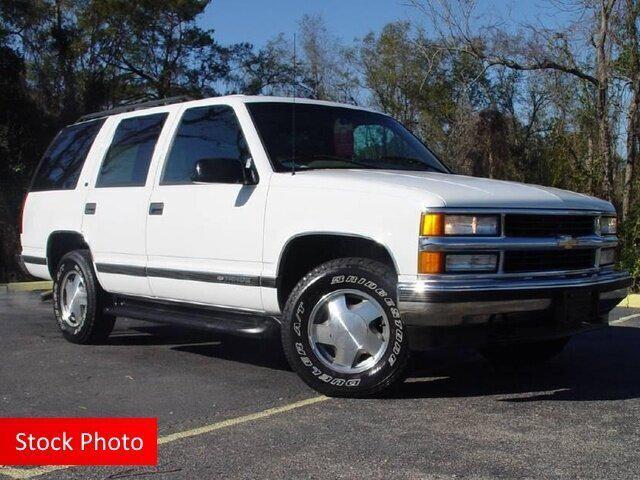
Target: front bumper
{"points": [[485, 312], [474, 301]]}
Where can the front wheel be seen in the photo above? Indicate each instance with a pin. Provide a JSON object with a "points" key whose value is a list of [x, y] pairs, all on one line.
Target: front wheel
{"points": [[524, 353], [342, 331]]}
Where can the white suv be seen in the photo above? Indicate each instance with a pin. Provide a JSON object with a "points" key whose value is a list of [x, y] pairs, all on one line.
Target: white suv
{"points": [[329, 223]]}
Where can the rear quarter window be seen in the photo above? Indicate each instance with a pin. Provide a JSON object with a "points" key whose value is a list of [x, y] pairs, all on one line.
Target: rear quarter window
{"points": [[62, 163]]}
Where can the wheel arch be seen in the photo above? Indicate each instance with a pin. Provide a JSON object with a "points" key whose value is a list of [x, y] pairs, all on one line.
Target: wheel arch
{"points": [[61, 242], [326, 246]]}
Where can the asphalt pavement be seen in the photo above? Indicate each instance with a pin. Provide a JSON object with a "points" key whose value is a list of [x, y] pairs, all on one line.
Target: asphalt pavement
{"points": [[231, 408]]}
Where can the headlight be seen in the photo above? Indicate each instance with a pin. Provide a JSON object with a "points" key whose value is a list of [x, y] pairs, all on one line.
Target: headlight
{"points": [[438, 224], [607, 256], [608, 225]]}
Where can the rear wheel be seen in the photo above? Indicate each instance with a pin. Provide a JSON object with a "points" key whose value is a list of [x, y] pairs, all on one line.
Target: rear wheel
{"points": [[524, 353], [342, 331], [78, 300]]}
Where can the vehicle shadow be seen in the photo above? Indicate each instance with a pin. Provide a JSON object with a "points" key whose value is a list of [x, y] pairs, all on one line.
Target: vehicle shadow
{"points": [[600, 365], [265, 352], [261, 352], [160, 335]]}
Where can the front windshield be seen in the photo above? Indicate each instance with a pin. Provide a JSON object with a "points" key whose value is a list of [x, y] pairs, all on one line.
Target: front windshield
{"points": [[337, 137]]}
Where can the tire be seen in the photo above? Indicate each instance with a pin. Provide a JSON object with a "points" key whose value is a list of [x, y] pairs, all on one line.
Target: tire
{"points": [[524, 354], [78, 324], [338, 303]]}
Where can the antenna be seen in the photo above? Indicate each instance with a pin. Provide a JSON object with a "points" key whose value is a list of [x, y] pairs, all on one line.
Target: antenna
{"points": [[293, 108]]}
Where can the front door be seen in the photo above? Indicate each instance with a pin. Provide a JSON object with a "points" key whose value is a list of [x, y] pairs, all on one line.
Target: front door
{"points": [[204, 241]]}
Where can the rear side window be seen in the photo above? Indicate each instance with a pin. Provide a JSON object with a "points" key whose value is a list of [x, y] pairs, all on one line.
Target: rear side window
{"points": [[126, 163], [204, 132], [62, 163]]}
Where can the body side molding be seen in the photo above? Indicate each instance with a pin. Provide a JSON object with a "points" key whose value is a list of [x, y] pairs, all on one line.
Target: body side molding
{"points": [[34, 260], [208, 277]]}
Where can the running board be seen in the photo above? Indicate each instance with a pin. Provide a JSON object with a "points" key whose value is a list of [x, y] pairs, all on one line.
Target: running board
{"points": [[201, 318]]}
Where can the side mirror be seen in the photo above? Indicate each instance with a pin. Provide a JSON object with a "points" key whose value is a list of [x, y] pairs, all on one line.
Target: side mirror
{"points": [[220, 170]]}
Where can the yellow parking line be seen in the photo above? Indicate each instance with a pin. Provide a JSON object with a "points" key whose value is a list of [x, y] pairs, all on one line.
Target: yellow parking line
{"points": [[236, 421], [26, 473]]}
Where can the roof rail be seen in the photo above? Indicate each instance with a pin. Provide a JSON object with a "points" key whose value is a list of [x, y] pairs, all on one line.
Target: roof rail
{"points": [[135, 106]]}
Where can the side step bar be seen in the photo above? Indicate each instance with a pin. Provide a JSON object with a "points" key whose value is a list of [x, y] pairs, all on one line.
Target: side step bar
{"points": [[202, 318]]}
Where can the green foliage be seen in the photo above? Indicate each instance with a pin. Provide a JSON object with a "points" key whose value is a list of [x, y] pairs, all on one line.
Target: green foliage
{"points": [[157, 46], [630, 251]]}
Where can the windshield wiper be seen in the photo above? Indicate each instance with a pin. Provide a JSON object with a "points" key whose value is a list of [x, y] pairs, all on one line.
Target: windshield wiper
{"points": [[300, 161], [410, 162], [305, 162]]}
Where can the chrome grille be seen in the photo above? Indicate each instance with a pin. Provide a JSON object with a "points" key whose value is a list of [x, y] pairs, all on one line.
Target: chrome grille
{"points": [[524, 225], [516, 261]]}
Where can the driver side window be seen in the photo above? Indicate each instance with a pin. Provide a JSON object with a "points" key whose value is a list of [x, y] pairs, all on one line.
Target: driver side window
{"points": [[204, 132]]}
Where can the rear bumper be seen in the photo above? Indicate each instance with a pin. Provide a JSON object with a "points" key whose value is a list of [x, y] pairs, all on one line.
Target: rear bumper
{"points": [[458, 302]]}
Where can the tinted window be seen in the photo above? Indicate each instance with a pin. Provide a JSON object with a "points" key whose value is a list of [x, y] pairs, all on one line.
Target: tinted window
{"points": [[204, 132], [337, 137], [127, 161], [62, 163], [376, 141]]}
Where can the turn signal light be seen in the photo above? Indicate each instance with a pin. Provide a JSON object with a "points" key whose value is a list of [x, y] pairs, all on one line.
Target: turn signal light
{"points": [[432, 224], [430, 262]]}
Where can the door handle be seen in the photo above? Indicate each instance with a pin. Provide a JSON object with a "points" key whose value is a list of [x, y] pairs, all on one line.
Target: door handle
{"points": [[156, 208], [89, 208]]}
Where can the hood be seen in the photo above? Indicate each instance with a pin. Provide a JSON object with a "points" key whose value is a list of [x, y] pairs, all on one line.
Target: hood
{"points": [[452, 191]]}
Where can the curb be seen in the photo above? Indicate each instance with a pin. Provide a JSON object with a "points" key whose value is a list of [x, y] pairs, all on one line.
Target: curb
{"points": [[632, 301], [26, 286]]}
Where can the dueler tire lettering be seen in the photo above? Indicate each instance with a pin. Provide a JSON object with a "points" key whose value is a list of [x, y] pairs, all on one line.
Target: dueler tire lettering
{"points": [[378, 282]]}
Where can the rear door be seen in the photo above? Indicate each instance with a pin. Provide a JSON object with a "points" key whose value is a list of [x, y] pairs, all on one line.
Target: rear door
{"points": [[204, 241], [115, 211]]}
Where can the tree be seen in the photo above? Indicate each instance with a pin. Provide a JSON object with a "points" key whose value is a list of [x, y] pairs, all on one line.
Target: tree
{"points": [[267, 71], [627, 65], [24, 126], [323, 67], [536, 50], [159, 47]]}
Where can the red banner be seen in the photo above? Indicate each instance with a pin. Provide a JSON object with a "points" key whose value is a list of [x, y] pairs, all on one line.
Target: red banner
{"points": [[78, 441]]}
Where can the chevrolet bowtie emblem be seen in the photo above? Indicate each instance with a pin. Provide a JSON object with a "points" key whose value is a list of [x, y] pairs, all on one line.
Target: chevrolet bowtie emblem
{"points": [[566, 241]]}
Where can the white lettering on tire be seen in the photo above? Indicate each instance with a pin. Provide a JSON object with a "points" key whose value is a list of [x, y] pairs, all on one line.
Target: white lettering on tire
{"points": [[388, 301]]}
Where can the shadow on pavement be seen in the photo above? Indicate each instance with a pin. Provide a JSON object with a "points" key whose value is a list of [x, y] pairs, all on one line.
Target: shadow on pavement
{"points": [[264, 352], [602, 365], [160, 335], [259, 352]]}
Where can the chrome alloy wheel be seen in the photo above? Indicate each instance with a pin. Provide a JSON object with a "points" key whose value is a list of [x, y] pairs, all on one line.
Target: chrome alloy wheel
{"points": [[348, 331], [73, 299]]}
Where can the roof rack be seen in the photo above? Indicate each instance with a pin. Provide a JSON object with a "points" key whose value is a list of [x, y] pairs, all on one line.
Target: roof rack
{"points": [[135, 106]]}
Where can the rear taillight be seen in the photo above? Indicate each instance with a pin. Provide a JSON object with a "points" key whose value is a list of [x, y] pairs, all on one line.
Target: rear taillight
{"points": [[21, 217]]}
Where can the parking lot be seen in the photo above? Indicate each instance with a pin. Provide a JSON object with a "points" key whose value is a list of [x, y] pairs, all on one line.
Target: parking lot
{"points": [[231, 408]]}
